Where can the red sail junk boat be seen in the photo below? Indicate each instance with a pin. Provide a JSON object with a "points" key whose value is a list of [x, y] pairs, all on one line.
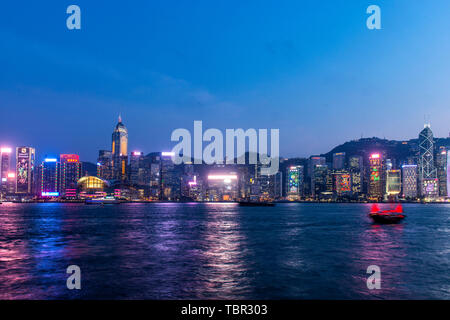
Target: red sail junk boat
{"points": [[387, 216]]}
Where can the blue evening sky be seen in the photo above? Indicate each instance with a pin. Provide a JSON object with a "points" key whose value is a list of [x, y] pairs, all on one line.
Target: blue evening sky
{"points": [[309, 68]]}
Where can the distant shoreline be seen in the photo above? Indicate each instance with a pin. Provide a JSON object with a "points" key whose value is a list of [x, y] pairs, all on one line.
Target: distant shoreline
{"points": [[230, 202]]}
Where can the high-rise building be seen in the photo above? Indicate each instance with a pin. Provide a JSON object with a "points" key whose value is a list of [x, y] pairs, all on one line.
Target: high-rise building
{"points": [[376, 190], [49, 177], [5, 162], [393, 182], [409, 180], [357, 182], [170, 178], [441, 167], [278, 185], [388, 165], [313, 161], [342, 183], [25, 157], [137, 169], [355, 163], [152, 163], [104, 165], [429, 188], [222, 186], [427, 172], [120, 151], [70, 173], [356, 167], [448, 174], [338, 161], [295, 182], [319, 181]]}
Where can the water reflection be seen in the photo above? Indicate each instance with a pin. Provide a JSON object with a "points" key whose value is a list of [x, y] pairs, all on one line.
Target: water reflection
{"points": [[224, 253], [221, 251]]}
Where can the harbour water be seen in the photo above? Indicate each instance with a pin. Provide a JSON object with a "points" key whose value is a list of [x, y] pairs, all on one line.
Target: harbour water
{"points": [[221, 251]]}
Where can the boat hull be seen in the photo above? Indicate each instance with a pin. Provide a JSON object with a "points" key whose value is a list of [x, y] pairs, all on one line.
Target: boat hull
{"points": [[102, 201], [386, 218], [256, 204]]}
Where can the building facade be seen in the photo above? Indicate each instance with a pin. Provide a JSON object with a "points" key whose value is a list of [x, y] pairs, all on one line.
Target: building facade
{"points": [[119, 152], [393, 182], [427, 172], [339, 161], [409, 181], [5, 170], [25, 157], [441, 168], [49, 172], [295, 182], [137, 169], [104, 165], [376, 188], [70, 173]]}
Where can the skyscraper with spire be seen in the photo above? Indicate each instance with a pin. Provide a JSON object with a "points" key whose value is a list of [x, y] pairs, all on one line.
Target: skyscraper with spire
{"points": [[120, 151], [428, 181]]}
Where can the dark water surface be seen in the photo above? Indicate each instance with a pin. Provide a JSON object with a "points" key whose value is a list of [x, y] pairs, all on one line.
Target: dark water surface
{"points": [[221, 251]]}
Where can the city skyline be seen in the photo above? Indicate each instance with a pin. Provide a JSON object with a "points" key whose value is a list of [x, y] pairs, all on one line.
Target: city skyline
{"points": [[366, 172], [41, 156], [319, 74]]}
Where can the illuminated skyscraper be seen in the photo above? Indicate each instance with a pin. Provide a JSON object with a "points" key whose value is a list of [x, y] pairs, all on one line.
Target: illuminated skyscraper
{"points": [[409, 181], [104, 164], [427, 172], [313, 161], [448, 174], [342, 183], [357, 182], [222, 186], [25, 157], [320, 181], [338, 161], [441, 168], [49, 177], [376, 190], [70, 173], [120, 151], [137, 170], [355, 163], [295, 182], [393, 182], [170, 178], [5, 161]]}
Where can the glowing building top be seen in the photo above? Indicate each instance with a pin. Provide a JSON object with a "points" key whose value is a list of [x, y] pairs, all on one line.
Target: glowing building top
{"points": [[119, 151]]}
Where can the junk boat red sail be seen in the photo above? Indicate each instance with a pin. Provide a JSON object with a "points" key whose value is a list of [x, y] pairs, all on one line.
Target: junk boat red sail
{"points": [[387, 216]]}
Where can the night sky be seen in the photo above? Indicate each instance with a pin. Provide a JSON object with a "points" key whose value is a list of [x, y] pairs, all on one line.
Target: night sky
{"points": [[309, 68]]}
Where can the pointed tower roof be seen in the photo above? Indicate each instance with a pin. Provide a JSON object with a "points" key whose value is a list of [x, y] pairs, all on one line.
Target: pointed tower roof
{"points": [[120, 127]]}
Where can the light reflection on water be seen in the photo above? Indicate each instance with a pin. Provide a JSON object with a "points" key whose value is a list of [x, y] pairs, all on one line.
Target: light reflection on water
{"points": [[221, 251]]}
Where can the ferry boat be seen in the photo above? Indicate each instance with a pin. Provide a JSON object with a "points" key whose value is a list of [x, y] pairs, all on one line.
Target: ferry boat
{"points": [[387, 216], [256, 204], [104, 200]]}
